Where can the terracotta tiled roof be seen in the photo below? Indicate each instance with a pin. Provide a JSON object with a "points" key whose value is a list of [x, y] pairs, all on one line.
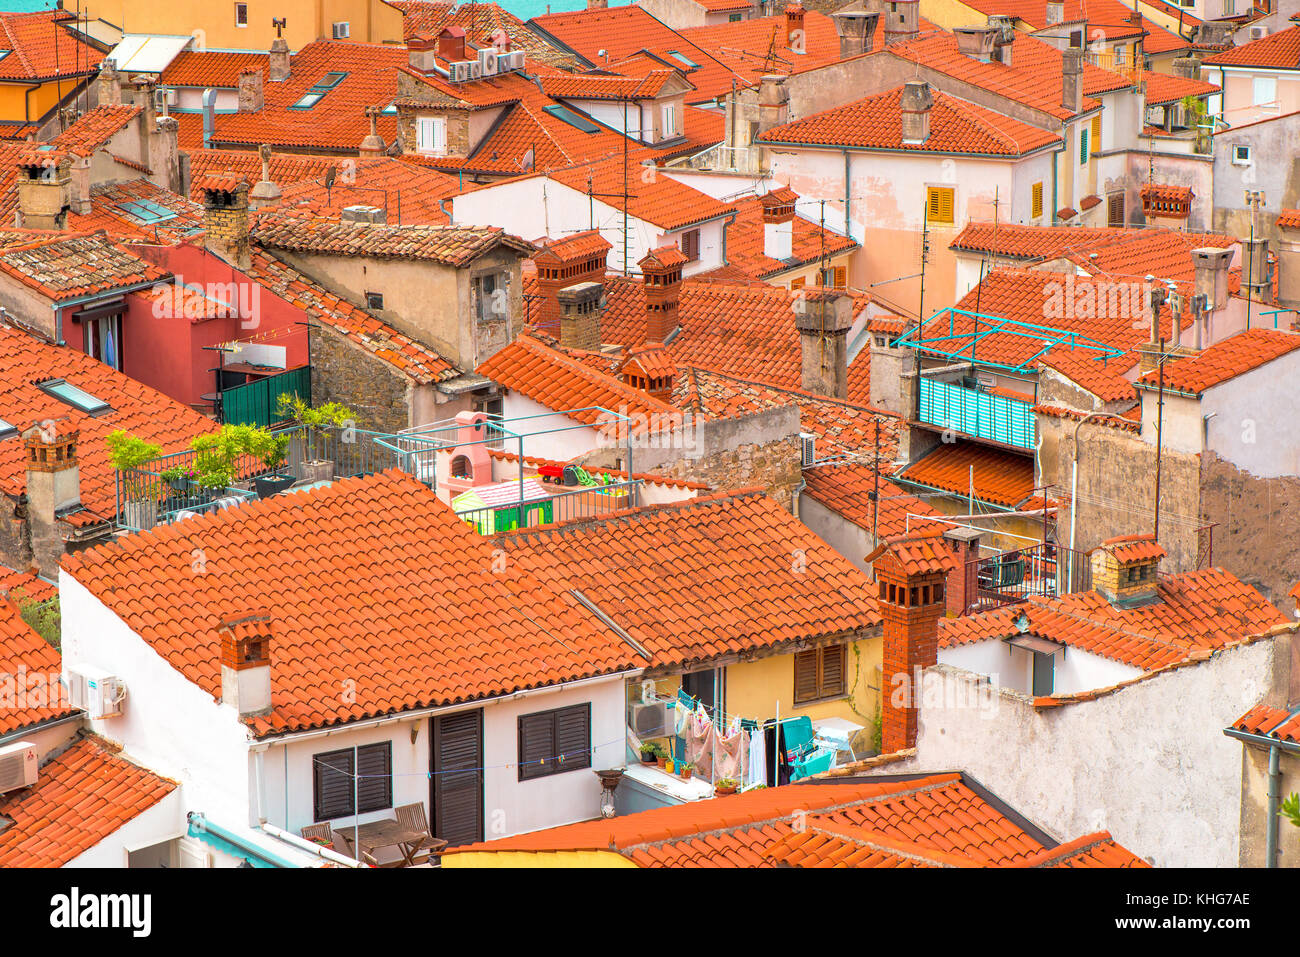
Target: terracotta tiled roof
{"points": [[846, 489], [136, 408], [1061, 412], [553, 379], [662, 201], [95, 128], [1110, 18], [1278, 51], [760, 45], [1225, 360], [410, 191], [68, 266], [1103, 376], [745, 241], [479, 21], [1196, 613], [875, 123], [712, 576], [211, 68], [25, 585], [286, 168], [81, 797], [42, 48], [1091, 850], [296, 231], [1164, 193], [920, 551], [1164, 88], [25, 653], [109, 211], [410, 357], [1001, 477], [936, 820], [418, 613], [1267, 722], [605, 87], [1133, 548], [1289, 219]]}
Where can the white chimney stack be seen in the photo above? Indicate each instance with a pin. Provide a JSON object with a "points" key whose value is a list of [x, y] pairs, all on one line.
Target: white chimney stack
{"points": [[246, 664], [778, 223]]}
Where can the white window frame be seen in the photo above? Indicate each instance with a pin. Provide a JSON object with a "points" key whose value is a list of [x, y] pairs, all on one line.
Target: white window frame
{"points": [[1241, 154], [345, 33], [669, 120], [431, 135], [1268, 83], [241, 8]]}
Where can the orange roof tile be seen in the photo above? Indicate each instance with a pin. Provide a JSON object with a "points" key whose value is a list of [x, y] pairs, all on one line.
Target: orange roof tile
{"points": [[760, 45], [1277, 51], [846, 488], [410, 192], [70, 265], [1091, 850], [81, 797], [658, 200], [109, 211], [286, 168], [419, 614], [605, 87], [95, 128], [1289, 219], [745, 242], [25, 585], [1165, 88], [136, 408], [211, 68], [1133, 548], [875, 123], [479, 21], [30, 667], [1226, 359], [920, 551], [1000, 476], [1103, 376], [42, 47], [1267, 722]]}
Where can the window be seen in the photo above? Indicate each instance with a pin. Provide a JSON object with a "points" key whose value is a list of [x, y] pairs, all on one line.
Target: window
{"points": [[342, 30], [819, 673], [319, 89], [374, 300], [7, 429], [1083, 146], [1229, 8], [573, 119], [1044, 673], [77, 398], [684, 61], [1115, 209], [146, 212], [241, 14], [552, 742], [691, 244], [939, 204], [733, 18], [1241, 155], [1265, 91], [797, 283], [364, 773], [102, 339], [491, 296], [1036, 203], [670, 122], [1096, 133], [431, 134]]}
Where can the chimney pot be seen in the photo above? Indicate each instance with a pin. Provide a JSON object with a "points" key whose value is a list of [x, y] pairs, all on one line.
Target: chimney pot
{"points": [[451, 44], [856, 30], [580, 309], [915, 105], [246, 663], [902, 20], [822, 320], [250, 91], [661, 271], [1125, 570], [225, 219]]}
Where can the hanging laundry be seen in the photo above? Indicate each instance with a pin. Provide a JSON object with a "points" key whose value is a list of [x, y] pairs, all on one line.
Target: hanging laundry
{"points": [[700, 735], [756, 769], [732, 754]]}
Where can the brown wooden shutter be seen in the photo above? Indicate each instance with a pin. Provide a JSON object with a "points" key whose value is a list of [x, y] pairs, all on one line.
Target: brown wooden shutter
{"points": [[457, 788], [805, 676], [832, 671], [1115, 209], [375, 770], [332, 784], [536, 744], [573, 737]]}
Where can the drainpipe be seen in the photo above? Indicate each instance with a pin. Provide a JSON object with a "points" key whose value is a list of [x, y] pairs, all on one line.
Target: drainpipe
{"points": [[1275, 747], [220, 836], [442, 205], [1055, 165], [848, 198]]}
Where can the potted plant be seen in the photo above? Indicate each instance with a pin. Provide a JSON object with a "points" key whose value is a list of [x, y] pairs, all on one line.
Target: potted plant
{"points": [[178, 477], [661, 757], [274, 453], [649, 752], [217, 455], [315, 420], [724, 786], [685, 771], [668, 765], [141, 489]]}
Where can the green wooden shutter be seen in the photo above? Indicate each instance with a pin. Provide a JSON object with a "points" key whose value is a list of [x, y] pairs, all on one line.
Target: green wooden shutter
{"points": [[1083, 146]]}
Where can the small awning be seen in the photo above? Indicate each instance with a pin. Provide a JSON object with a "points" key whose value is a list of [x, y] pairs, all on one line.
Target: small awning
{"points": [[1033, 643]]}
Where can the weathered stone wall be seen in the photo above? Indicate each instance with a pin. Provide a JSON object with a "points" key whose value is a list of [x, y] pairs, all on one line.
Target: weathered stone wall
{"points": [[15, 546], [1259, 524], [342, 371], [773, 466]]}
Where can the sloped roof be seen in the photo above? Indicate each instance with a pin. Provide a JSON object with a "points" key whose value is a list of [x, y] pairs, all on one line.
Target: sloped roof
{"points": [[110, 211], [1267, 722], [846, 488], [1277, 51], [64, 266], [1226, 359], [211, 68], [25, 656], [1164, 88], [95, 128], [479, 21], [42, 48], [746, 238], [286, 168], [1001, 477], [419, 615]]}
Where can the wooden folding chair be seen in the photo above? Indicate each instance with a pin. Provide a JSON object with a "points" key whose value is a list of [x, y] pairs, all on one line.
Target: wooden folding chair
{"points": [[343, 841]]}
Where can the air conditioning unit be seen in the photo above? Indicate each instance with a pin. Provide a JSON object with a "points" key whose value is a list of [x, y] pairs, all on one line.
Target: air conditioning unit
{"points": [[342, 30], [475, 70], [487, 62], [985, 381], [807, 449], [513, 61], [459, 71], [1257, 33], [651, 720], [164, 96], [18, 766], [96, 692]]}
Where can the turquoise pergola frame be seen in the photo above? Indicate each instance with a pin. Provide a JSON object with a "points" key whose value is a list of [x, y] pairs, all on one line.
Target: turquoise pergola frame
{"points": [[1048, 336]]}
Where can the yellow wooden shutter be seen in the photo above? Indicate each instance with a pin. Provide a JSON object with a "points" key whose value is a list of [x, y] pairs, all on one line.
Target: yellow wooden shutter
{"points": [[1096, 133], [1037, 201], [939, 202]]}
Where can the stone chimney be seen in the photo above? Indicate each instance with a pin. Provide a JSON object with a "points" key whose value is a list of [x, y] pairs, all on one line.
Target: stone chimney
{"points": [[661, 270], [1288, 263], [773, 103], [451, 44], [265, 191], [911, 574], [795, 37], [1072, 79], [1055, 12], [45, 192], [902, 20], [915, 105], [778, 223], [823, 320], [110, 84], [246, 663], [277, 64], [976, 42], [53, 486], [1188, 67], [1255, 271], [580, 309], [250, 91], [422, 53], [564, 262], [856, 30], [1124, 569], [373, 144], [367, 215], [225, 218], [1211, 267]]}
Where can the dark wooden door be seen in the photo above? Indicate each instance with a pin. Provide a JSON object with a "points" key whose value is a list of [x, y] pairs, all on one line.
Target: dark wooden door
{"points": [[456, 792]]}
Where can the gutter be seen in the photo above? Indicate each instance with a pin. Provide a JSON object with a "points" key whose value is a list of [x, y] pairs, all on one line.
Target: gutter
{"points": [[1275, 747], [26, 730], [226, 840], [309, 847]]}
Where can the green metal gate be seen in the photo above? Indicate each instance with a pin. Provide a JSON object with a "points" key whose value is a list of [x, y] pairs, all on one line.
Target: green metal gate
{"points": [[254, 403]]}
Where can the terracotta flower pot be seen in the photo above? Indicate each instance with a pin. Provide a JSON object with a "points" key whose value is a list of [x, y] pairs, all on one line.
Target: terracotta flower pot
{"points": [[724, 790], [686, 774], [661, 760]]}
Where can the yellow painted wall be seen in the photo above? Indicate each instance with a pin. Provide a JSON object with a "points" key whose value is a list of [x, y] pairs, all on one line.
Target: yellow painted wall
{"points": [[468, 859], [951, 13], [19, 105], [371, 21]]}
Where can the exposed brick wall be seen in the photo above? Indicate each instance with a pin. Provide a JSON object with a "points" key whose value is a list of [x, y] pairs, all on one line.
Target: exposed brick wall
{"points": [[911, 642], [342, 371]]}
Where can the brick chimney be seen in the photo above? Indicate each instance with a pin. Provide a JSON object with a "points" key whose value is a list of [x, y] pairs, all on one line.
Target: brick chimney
{"points": [[795, 37], [649, 368], [250, 91], [1072, 79], [823, 320], [580, 309], [45, 192], [963, 580], [422, 53], [225, 218], [575, 259], [856, 30], [778, 223], [915, 105], [902, 20], [277, 64], [451, 44], [911, 574], [1124, 569], [53, 487], [661, 270], [246, 663]]}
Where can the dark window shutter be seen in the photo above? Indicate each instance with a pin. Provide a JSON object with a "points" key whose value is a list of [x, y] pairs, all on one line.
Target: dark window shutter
{"points": [[332, 784], [548, 736], [805, 676], [536, 744], [457, 787], [832, 671], [573, 737], [375, 768]]}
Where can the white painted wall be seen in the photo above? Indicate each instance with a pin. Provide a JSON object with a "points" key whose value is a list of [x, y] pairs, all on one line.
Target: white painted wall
{"points": [[539, 442], [1012, 667], [162, 822], [1256, 419]]}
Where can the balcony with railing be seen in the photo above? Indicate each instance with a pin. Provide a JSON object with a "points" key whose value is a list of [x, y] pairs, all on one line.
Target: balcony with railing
{"points": [[1008, 577], [981, 415]]}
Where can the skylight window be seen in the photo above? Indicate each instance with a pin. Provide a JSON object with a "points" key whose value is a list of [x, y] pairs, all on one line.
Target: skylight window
{"points": [[319, 89], [65, 391], [684, 61], [7, 429], [572, 118], [144, 211]]}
